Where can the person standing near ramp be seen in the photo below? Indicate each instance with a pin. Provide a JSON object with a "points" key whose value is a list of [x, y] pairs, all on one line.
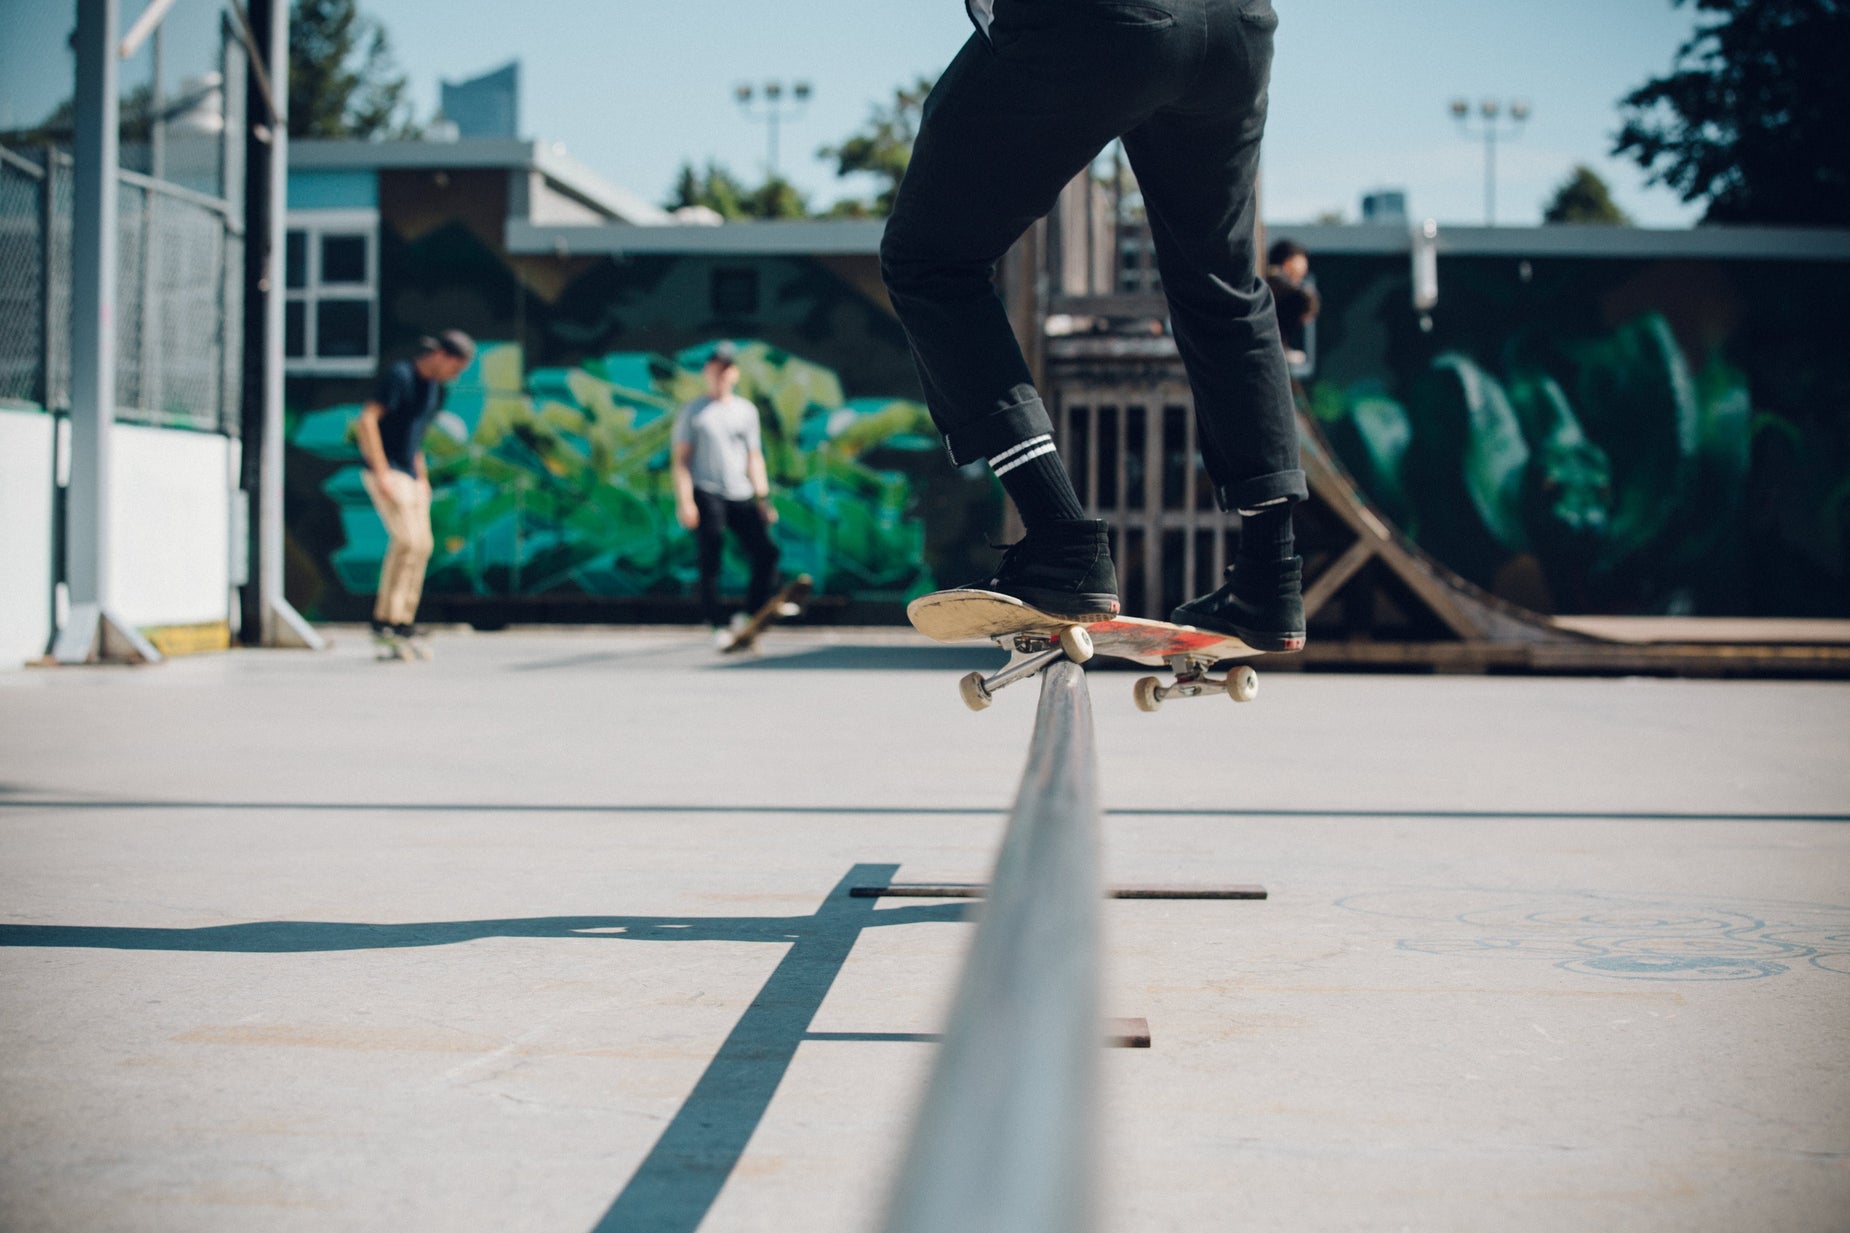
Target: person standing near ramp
{"points": [[391, 431], [1034, 95], [721, 484]]}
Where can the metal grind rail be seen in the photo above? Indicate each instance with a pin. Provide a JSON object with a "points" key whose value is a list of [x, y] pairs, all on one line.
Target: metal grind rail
{"points": [[1005, 1138]]}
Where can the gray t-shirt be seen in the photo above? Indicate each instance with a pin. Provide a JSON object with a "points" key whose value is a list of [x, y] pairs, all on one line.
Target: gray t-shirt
{"points": [[724, 433]]}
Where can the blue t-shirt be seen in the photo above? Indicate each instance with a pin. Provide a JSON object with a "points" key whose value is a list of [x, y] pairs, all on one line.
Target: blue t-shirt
{"points": [[410, 403]]}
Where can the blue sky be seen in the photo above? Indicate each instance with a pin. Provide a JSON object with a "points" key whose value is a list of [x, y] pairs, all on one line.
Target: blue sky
{"points": [[634, 88]]}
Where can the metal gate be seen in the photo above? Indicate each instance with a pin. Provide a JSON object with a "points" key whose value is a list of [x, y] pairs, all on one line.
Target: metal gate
{"points": [[1130, 445]]}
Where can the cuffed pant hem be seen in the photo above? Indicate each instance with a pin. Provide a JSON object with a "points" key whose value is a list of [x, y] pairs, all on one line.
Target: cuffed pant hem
{"points": [[1263, 490], [990, 434]]}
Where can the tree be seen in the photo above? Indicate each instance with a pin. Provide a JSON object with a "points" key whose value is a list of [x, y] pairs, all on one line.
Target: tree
{"points": [[722, 192], [1584, 198], [1750, 118], [776, 198], [883, 148], [343, 81]]}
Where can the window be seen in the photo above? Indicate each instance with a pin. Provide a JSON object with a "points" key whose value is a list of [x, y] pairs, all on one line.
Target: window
{"points": [[331, 292]]}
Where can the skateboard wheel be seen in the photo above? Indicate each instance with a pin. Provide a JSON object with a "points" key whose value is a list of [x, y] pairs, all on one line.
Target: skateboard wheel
{"points": [[1147, 693], [1077, 643], [976, 697], [1243, 684]]}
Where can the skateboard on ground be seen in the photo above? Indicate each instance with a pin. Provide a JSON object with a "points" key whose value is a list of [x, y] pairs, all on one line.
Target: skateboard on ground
{"points": [[1036, 639], [794, 592], [388, 646]]}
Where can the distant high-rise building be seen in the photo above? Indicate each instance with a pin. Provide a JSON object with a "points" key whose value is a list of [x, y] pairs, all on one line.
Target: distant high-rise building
{"points": [[1385, 205], [485, 106]]}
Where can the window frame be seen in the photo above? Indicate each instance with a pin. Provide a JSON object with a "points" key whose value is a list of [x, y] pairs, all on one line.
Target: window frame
{"points": [[314, 226]]}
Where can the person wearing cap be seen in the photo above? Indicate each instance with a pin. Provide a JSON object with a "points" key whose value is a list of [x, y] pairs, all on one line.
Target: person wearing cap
{"points": [[391, 431], [1294, 295], [720, 485], [1036, 92]]}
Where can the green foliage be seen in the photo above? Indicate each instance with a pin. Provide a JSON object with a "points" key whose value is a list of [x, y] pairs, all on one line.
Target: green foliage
{"points": [[776, 198], [882, 149], [1584, 198], [722, 192], [343, 82], [1749, 119]]}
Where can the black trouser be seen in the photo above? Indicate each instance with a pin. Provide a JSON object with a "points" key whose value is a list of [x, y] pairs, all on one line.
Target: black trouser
{"points": [[746, 521], [1014, 118]]}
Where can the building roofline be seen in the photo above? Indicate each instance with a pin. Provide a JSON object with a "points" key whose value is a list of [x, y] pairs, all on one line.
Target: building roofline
{"points": [[862, 236], [1579, 240], [486, 153], [796, 237]]}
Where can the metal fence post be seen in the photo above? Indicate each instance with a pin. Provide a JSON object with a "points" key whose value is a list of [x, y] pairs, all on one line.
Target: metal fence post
{"points": [[91, 630]]}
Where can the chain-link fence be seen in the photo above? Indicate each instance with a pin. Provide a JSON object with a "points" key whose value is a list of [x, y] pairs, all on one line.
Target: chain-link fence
{"points": [[23, 266], [179, 295]]}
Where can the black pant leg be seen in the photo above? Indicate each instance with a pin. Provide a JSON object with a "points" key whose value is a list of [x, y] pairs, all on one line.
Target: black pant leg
{"points": [[1196, 163], [710, 540], [747, 523], [1012, 120]]}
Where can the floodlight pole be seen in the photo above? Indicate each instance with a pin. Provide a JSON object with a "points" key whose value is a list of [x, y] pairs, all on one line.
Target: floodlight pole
{"points": [[773, 111], [1490, 110]]}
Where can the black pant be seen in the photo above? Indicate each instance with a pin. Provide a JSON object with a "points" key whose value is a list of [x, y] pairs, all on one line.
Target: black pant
{"points": [[746, 521], [1014, 118]]}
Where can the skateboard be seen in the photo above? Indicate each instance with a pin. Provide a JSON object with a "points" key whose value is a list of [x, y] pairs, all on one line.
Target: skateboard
{"points": [[794, 592], [388, 646], [1036, 639]]}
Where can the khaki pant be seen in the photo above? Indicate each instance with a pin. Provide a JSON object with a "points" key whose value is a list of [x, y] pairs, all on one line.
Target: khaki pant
{"points": [[404, 506]]}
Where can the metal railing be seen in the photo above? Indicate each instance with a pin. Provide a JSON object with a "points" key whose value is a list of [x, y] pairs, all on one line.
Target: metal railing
{"points": [[179, 295], [1005, 1138]]}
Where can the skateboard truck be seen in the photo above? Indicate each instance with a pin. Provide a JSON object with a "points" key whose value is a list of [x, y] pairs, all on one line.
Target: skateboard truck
{"points": [[1029, 653], [1192, 681]]}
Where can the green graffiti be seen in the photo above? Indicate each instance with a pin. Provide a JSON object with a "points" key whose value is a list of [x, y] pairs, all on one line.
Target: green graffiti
{"points": [[1605, 464], [558, 479]]}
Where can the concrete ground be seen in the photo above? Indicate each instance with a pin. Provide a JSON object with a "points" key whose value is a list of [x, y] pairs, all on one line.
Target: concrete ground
{"points": [[550, 934]]}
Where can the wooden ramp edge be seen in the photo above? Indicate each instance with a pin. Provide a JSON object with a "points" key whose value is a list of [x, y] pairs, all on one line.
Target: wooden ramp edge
{"points": [[1469, 611]]}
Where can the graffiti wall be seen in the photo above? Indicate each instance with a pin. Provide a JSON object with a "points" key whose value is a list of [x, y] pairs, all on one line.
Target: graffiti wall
{"points": [[1603, 435], [551, 481], [552, 497]]}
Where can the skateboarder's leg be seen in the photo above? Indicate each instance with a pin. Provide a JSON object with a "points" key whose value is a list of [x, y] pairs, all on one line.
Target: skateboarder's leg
{"points": [[1225, 325], [1013, 120], [398, 501], [710, 543], [747, 522]]}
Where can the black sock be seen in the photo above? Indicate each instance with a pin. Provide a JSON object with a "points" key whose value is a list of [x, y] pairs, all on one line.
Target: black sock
{"points": [[1265, 536], [1036, 480]]}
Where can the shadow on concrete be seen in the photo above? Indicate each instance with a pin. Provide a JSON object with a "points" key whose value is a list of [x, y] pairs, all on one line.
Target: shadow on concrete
{"points": [[841, 658], [926, 658], [676, 1184], [677, 650], [491, 807], [1434, 815]]}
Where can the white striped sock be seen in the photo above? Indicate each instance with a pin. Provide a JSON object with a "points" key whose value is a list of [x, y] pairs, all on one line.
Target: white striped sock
{"points": [[1017, 448], [1019, 459]]}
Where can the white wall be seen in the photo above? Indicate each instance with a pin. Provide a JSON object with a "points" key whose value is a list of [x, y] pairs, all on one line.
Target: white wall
{"points": [[170, 525], [26, 483]]}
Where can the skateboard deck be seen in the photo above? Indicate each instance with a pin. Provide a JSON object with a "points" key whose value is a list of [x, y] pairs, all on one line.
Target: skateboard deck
{"points": [[388, 647], [794, 592], [1036, 639]]}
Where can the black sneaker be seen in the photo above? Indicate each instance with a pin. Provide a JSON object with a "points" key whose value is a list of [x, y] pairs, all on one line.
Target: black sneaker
{"points": [[1063, 568], [1262, 607]]}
